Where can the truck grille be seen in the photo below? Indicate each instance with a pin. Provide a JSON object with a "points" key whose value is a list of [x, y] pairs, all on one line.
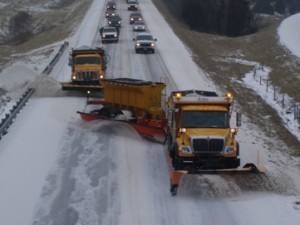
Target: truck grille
{"points": [[145, 44], [88, 75], [208, 145]]}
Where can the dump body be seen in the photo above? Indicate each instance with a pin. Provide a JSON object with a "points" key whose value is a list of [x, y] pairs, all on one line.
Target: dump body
{"points": [[88, 66], [142, 97]]}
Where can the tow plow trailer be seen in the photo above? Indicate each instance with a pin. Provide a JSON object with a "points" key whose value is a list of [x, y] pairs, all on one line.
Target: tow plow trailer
{"points": [[134, 102], [177, 175]]}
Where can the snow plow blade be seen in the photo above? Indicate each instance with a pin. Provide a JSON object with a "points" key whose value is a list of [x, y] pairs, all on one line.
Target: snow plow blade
{"points": [[176, 175], [152, 130], [80, 87]]}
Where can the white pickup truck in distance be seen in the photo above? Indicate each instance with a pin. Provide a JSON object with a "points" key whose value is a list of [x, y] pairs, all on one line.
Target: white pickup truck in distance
{"points": [[144, 42], [109, 34]]}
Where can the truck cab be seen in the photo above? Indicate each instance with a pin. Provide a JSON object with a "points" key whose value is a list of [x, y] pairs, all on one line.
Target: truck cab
{"points": [[88, 66], [200, 133]]}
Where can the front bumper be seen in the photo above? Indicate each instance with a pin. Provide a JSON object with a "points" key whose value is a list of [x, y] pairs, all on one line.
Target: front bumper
{"points": [[205, 162], [109, 39]]}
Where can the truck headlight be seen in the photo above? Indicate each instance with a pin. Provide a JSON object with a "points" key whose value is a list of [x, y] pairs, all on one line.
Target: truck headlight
{"points": [[234, 131], [229, 150], [137, 44], [186, 150], [152, 44], [74, 77]]}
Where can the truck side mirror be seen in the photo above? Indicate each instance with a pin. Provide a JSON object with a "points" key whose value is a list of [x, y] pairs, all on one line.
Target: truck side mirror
{"points": [[70, 61], [238, 119]]}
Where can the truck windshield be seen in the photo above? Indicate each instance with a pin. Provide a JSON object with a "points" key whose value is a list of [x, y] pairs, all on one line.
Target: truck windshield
{"points": [[205, 119], [144, 37], [87, 60]]}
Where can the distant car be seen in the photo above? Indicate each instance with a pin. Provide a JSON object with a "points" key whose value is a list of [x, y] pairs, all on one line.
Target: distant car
{"points": [[114, 21], [144, 42], [132, 5], [110, 12], [135, 16], [139, 26], [109, 34], [111, 5]]}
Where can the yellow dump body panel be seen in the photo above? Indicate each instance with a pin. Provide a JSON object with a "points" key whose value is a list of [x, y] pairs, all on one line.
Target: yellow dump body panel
{"points": [[137, 95]]}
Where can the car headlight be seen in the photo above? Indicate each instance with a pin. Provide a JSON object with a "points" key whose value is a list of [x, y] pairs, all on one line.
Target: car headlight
{"points": [[229, 150], [152, 44], [103, 35], [115, 35], [186, 150], [137, 44], [74, 77]]}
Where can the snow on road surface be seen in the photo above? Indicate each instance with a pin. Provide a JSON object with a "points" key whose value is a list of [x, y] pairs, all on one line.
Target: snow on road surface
{"points": [[56, 169]]}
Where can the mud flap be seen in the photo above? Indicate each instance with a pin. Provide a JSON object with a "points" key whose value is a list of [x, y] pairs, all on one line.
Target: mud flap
{"points": [[176, 176]]}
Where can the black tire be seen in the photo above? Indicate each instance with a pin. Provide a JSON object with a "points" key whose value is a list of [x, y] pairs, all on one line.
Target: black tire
{"points": [[136, 51], [153, 51], [110, 112], [177, 164], [105, 112]]}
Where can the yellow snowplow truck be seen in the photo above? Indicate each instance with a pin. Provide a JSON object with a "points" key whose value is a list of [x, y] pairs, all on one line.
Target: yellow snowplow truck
{"points": [[88, 66], [201, 139]]}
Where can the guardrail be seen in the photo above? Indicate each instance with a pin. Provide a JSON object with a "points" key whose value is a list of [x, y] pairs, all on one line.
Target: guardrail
{"points": [[50, 66], [9, 117]]}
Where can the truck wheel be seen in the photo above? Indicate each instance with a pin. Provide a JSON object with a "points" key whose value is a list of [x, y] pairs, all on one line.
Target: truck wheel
{"points": [[176, 162], [153, 51], [173, 189], [105, 112]]}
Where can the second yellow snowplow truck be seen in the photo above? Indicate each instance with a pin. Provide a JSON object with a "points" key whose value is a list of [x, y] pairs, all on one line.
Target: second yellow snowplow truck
{"points": [[88, 67], [201, 140]]}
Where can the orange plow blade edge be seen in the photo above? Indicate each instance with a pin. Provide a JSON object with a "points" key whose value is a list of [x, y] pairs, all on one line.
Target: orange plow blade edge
{"points": [[152, 130]]}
